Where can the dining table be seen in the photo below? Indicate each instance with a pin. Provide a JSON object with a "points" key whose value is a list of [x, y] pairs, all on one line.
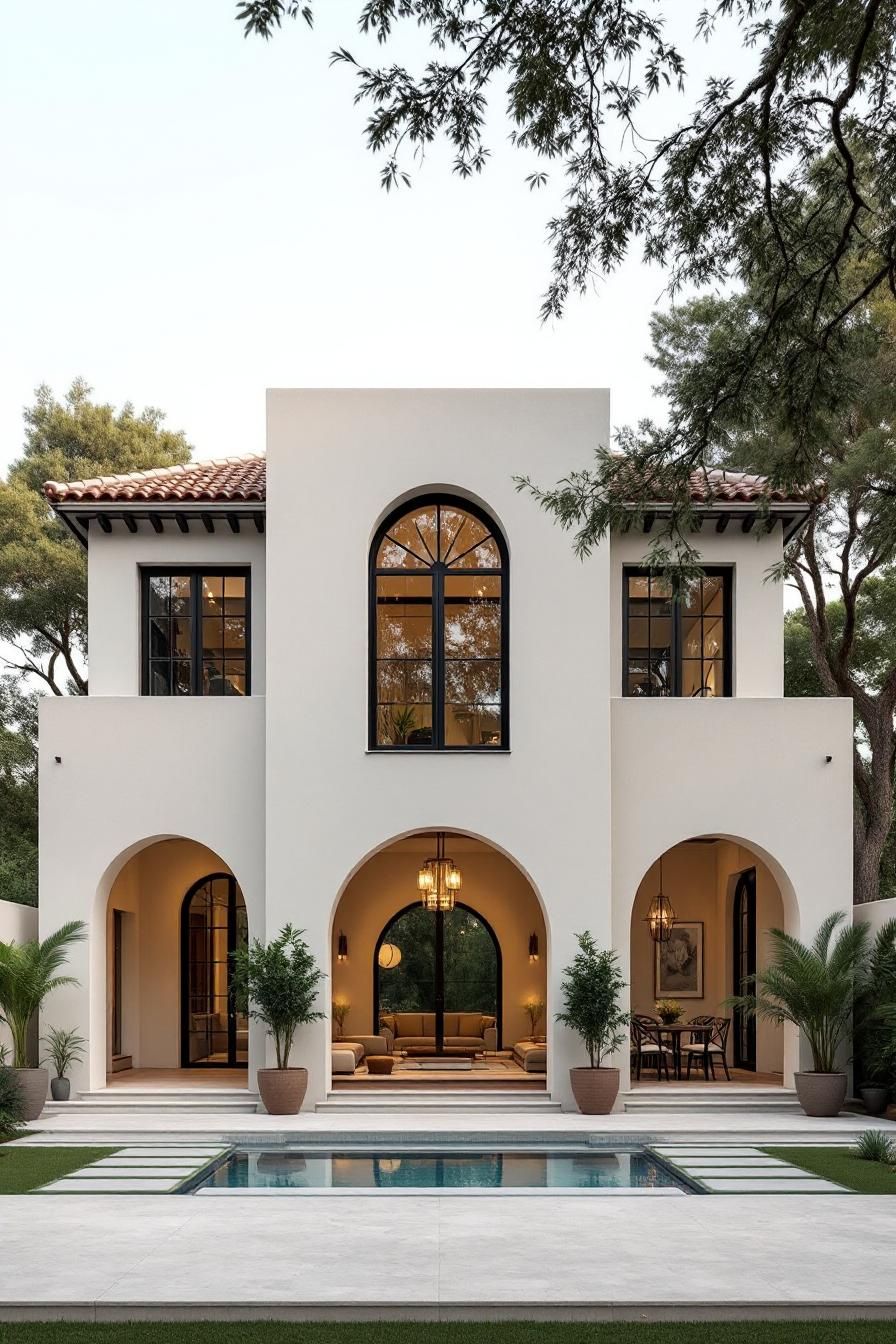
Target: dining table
{"points": [[699, 1030]]}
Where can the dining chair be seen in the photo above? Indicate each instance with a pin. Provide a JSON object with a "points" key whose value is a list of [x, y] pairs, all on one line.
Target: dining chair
{"points": [[647, 1045], [706, 1053]]}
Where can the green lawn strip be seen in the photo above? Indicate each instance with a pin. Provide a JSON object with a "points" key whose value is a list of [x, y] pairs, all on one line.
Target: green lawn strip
{"points": [[385, 1332], [841, 1165], [23, 1169]]}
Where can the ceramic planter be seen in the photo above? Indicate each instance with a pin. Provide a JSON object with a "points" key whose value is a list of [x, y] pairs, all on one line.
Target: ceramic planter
{"points": [[282, 1090], [595, 1090], [60, 1089], [874, 1099], [33, 1083], [821, 1093]]}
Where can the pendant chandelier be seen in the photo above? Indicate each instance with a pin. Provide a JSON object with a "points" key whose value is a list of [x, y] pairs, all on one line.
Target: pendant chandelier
{"points": [[660, 916], [438, 879]]}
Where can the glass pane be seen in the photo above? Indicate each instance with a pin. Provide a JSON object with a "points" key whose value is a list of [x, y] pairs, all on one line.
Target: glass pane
{"points": [[158, 595], [181, 678], [661, 634], [212, 594], [404, 617], [213, 682], [713, 632], [404, 681], [638, 587], [402, 725], [713, 677], [160, 678], [458, 532], [181, 635], [485, 556], [234, 633], [212, 636], [713, 589], [660, 596], [638, 634], [180, 595], [413, 537], [472, 683], [473, 725], [158, 638], [691, 637], [638, 679], [234, 677], [234, 586], [472, 616]]}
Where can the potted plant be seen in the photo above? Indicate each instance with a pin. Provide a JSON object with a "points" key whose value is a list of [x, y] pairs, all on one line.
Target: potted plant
{"points": [[341, 1009], [591, 988], [64, 1048], [28, 973], [534, 1009], [668, 1010], [278, 985], [874, 1028], [814, 986]]}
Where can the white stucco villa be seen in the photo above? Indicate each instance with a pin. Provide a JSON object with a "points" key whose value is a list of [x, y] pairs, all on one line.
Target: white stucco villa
{"points": [[312, 670]]}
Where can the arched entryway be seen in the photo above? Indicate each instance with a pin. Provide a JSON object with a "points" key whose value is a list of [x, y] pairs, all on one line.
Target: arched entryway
{"points": [[438, 962], [724, 896], [474, 974], [213, 925]]}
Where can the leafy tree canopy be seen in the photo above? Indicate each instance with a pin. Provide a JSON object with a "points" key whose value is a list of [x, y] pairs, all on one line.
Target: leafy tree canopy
{"points": [[18, 794], [781, 181]]}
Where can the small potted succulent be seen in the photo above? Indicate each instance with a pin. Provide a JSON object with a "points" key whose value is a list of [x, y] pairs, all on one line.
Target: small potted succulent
{"points": [[668, 1010], [278, 984], [591, 990], [64, 1048]]}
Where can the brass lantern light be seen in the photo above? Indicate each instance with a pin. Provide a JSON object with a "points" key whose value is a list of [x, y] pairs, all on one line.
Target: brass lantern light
{"points": [[439, 879], [660, 916]]}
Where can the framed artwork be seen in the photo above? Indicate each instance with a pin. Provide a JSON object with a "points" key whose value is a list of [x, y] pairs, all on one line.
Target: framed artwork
{"points": [[679, 962]]}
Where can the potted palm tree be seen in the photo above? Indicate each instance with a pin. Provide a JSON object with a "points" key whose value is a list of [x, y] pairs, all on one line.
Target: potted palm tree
{"points": [[591, 989], [815, 986], [64, 1048], [278, 985], [28, 973], [874, 1028]]}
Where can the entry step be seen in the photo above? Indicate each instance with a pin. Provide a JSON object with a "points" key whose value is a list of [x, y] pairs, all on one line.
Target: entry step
{"points": [[667, 1098], [466, 1100]]}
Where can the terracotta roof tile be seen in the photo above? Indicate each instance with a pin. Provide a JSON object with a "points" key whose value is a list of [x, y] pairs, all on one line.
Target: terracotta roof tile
{"points": [[739, 487], [219, 480]]}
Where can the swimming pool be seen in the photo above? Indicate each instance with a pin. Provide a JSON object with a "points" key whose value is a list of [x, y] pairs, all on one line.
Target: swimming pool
{"points": [[407, 1170]]}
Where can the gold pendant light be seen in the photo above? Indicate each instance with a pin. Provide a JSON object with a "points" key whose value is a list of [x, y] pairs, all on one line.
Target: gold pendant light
{"points": [[660, 916], [439, 879]]}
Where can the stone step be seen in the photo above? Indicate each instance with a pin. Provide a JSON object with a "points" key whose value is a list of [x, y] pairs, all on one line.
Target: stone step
{"points": [[670, 1099], [185, 1102], [407, 1101]]}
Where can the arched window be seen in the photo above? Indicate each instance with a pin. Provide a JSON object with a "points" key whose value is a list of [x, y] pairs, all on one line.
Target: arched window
{"points": [[438, 638], [213, 923]]}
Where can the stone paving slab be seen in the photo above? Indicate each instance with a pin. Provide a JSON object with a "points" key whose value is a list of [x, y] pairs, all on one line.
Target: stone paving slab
{"points": [[778, 1185], [95, 1185], [784, 1172], [129, 1163]]}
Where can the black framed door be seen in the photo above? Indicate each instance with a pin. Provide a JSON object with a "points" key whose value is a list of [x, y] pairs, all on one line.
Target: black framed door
{"points": [[213, 923], [744, 949], [450, 962]]}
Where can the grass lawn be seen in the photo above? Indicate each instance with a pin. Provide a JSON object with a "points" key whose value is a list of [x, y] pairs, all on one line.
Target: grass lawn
{"points": [[273, 1332], [22, 1169], [842, 1166]]}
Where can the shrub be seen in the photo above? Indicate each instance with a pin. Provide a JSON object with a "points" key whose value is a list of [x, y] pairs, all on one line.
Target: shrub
{"points": [[12, 1104], [591, 987], [875, 1146], [278, 984], [28, 973]]}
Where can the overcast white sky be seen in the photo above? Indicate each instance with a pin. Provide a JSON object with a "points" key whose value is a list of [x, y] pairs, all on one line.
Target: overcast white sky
{"points": [[189, 217]]}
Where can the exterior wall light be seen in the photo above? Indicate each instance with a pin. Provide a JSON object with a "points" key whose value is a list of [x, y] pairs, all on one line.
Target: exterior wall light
{"points": [[342, 947], [533, 946]]}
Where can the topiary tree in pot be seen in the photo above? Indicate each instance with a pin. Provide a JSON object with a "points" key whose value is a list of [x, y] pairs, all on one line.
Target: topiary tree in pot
{"points": [[29, 972], [816, 986], [591, 989], [278, 985]]}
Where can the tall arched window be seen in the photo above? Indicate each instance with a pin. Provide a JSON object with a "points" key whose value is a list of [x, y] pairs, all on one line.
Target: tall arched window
{"points": [[438, 638], [213, 924]]}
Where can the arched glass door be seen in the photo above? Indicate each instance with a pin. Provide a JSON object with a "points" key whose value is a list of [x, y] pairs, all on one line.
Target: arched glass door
{"points": [[213, 924], [449, 961]]}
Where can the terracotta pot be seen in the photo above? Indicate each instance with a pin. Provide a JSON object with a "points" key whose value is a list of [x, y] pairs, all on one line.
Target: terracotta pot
{"points": [[821, 1093], [33, 1083], [282, 1090], [874, 1099], [595, 1090]]}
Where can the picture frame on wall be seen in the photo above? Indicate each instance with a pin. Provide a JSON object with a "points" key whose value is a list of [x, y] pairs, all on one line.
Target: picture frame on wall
{"points": [[679, 962]]}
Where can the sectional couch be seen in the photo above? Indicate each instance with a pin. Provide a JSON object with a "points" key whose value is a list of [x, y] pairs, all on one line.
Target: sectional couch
{"points": [[474, 1031]]}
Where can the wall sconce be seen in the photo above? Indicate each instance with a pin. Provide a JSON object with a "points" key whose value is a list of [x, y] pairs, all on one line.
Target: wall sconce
{"points": [[341, 947], [533, 946]]}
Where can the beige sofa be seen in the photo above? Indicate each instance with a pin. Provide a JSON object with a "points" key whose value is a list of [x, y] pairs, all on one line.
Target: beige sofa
{"points": [[474, 1031], [349, 1055]]}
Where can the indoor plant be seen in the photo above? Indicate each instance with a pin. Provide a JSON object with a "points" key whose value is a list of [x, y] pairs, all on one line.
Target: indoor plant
{"points": [[534, 1009], [591, 987], [278, 984], [668, 1010], [340, 1013], [28, 973], [64, 1048], [814, 986]]}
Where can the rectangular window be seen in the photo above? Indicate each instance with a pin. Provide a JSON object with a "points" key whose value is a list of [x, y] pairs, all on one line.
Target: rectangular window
{"points": [[677, 646], [195, 632]]}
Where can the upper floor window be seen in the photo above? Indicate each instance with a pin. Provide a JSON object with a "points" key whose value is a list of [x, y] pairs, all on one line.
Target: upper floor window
{"points": [[678, 647], [438, 638], [195, 631]]}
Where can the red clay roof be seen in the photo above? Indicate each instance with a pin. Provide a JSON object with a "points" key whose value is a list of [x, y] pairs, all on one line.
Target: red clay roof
{"points": [[739, 487], [219, 480]]}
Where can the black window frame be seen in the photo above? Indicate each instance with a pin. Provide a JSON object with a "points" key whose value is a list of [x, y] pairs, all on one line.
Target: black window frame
{"points": [[195, 573], [724, 572], [437, 571], [235, 901]]}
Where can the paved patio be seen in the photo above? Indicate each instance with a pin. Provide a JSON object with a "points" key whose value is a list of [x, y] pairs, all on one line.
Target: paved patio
{"points": [[125, 1257]]}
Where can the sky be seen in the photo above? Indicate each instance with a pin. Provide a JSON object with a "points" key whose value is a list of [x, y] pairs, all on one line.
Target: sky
{"points": [[189, 217]]}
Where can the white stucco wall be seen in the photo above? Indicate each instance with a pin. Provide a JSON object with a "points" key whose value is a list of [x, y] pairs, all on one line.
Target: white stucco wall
{"points": [[752, 771], [337, 461], [18, 924], [757, 602], [876, 913], [113, 593], [135, 770]]}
